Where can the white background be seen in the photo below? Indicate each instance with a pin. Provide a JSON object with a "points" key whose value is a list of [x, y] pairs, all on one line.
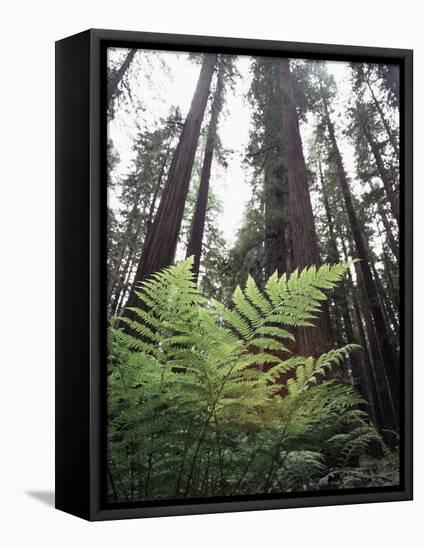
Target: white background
{"points": [[28, 32]]}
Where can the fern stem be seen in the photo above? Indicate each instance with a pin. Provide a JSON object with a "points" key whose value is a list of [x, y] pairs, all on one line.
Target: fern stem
{"points": [[206, 424], [247, 467], [219, 453]]}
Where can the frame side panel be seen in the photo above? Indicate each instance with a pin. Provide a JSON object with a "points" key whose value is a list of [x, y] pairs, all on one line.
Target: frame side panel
{"points": [[407, 273], [72, 275]]}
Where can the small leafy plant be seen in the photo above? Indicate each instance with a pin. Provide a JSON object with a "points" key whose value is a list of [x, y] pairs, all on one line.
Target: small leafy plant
{"points": [[207, 400]]}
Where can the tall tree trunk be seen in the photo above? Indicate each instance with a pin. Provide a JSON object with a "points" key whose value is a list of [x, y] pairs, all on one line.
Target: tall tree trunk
{"points": [[113, 277], [158, 188], [384, 176], [161, 240], [113, 84], [392, 241], [125, 284], [275, 248], [381, 329], [388, 129], [333, 251], [306, 252], [275, 226], [341, 293], [385, 391], [290, 263], [195, 243], [367, 371], [385, 300]]}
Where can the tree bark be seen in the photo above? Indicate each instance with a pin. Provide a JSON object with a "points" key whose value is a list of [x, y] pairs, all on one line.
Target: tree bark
{"points": [[305, 245], [162, 237], [195, 243], [275, 252], [112, 86]]}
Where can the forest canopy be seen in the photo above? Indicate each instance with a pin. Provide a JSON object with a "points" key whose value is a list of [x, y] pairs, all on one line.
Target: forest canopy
{"points": [[253, 275]]}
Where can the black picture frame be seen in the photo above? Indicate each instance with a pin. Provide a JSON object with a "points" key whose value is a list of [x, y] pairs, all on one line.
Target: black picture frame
{"points": [[80, 270]]}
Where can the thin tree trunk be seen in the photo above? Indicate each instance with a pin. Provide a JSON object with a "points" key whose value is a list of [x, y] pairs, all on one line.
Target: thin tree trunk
{"points": [[367, 372], [392, 241], [388, 130], [195, 243], [341, 294], [122, 249], [384, 176], [383, 295], [306, 252], [112, 86], [381, 329], [162, 237], [122, 291], [385, 390], [333, 251], [369, 345]]}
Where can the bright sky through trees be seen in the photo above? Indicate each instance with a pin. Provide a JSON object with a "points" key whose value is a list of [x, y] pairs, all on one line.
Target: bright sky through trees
{"points": [[174, 80]]}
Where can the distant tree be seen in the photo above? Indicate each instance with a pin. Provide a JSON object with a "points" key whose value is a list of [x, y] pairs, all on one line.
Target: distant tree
{"points": [[116, 75], [389, 358], [139, 193], [265, 155], [162, 237], [303, 230], [225, 69]]}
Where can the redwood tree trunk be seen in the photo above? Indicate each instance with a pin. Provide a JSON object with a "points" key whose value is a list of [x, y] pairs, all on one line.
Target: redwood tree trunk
{"points": [[305, 245], [275, 226], [381, 329], [112, 86], [275, 252], [162, 237], [195, 243]]}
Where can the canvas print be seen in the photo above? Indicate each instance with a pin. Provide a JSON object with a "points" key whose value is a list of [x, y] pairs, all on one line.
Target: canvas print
{"points": [[253, 266]]}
